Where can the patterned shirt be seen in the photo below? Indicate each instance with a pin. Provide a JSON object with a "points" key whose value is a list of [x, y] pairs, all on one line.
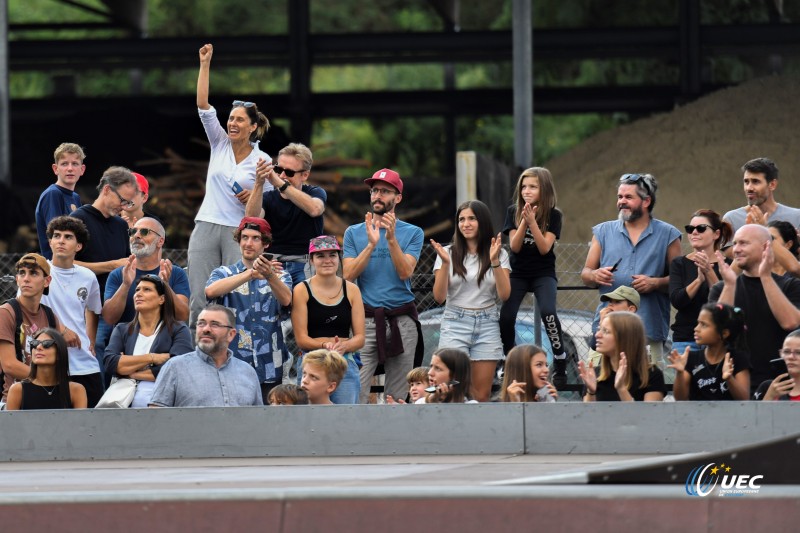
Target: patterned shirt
{"points": [[259, 338]]}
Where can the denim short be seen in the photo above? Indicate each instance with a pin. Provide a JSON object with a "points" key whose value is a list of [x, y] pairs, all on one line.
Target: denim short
{"points": [[475, 331]]}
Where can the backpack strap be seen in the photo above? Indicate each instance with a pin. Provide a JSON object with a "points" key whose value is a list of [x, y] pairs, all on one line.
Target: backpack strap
{"points": [[19, 335]]}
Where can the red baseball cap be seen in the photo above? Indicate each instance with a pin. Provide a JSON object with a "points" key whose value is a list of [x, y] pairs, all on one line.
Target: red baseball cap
{"points": [[257, 224], [142, 182], [389, 176]]}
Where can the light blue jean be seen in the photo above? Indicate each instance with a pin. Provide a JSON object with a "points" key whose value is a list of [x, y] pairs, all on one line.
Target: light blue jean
{"points": [[475, 331], [298, 271]]}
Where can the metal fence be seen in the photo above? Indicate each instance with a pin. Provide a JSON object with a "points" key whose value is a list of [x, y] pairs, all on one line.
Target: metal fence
{"points": [[575, 302]]}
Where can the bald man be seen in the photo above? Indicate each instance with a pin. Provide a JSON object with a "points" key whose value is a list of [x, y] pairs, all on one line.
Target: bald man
{"points": [[770, 302]]}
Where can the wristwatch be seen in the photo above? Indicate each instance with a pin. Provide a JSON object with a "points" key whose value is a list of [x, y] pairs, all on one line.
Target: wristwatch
{"points": [[284, 186]]}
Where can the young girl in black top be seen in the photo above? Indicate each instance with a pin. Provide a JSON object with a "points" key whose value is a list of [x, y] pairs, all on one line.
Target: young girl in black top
{"points": [[48, 385], [533, 223], [721, 370]]}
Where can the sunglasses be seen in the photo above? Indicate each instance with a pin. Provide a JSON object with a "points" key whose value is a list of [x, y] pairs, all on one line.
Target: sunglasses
{"points": [[631, 179], [288, 171], [47, 343], [242, 103], [701, 228], [144, 232]]}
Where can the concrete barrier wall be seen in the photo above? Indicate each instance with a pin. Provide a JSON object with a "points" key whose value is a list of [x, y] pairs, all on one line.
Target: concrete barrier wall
{"points": [[367, 430]]}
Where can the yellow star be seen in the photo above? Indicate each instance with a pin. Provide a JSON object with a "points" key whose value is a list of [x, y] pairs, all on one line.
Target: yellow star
{"points": [[728, 469], [714, 470], [722, 465]]}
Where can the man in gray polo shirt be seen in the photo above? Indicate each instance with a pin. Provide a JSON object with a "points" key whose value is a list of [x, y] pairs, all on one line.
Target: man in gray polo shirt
{"points": [[209, 376]]}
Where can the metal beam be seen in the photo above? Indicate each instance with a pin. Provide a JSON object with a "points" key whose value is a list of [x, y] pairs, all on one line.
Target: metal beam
{"points": [[5, 140], [523, 82]]}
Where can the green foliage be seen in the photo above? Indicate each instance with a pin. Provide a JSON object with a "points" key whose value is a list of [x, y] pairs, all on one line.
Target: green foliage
{"points": [[179, 18]]}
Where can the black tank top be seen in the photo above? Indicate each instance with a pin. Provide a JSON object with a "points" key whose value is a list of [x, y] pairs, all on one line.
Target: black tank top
{"points": [[37, 397], [329, 320]]}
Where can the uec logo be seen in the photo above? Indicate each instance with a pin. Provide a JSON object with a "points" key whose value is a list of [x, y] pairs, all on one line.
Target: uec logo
{"points": [[703, 479]]}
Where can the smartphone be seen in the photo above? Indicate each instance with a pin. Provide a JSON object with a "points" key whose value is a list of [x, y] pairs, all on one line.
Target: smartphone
{"points": [[778, 367], [433, 388], [268, 257], [616, 265], [236, 188]]}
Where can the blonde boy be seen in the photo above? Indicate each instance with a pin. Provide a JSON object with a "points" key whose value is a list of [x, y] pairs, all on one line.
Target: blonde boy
{"points": [[60, 198], [322, 372]]}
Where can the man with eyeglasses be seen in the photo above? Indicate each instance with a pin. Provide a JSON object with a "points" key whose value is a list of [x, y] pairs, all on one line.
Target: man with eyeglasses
{"points": [[107, 248], [293, 208], [635, 250], [770, 302], [147, 238], [380, 255], [257, 290], [210, 376]]}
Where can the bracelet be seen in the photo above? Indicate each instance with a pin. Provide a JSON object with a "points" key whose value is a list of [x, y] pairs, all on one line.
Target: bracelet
{"points": [[590, 393], [495, 266]]}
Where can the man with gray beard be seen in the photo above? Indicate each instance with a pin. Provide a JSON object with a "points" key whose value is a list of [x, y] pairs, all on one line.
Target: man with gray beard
{"points": [[147, 239], [635, 250]]}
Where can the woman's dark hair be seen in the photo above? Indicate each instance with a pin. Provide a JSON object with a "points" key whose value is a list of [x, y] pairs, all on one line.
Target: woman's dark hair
{"points": [[716, 222], [726, 317], [62, 365], [167, 308], [485, 234], [458, 363], [518, 367], [256, 117], [787, 233]]}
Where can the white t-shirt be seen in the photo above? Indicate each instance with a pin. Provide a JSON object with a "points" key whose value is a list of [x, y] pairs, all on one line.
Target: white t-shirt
{"points": [[72, 292], [144, 390], [220, 205], [467, 293]]}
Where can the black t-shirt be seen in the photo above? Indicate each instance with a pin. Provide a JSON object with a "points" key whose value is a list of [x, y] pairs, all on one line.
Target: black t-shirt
{"points": [[706, 383], [607, 393], [108, 239], [528, 262], [682, 272], [762, 390], [292, 228], [764, 335]]}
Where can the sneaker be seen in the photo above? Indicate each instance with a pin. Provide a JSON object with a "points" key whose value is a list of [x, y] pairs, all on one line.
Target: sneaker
{"points": [[559, 373]]}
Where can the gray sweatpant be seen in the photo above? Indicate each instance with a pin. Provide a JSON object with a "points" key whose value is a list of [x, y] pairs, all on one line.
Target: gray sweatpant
{"points": [[210, 246]]}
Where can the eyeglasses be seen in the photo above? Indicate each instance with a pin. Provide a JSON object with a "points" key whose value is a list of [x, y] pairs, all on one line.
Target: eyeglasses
{"points": [[213, 325], [381, 192], [786, 353], [47, 343], [123, 201], [144, 232], [701, 228], [288, 171], [242, 103], [632, 179]]}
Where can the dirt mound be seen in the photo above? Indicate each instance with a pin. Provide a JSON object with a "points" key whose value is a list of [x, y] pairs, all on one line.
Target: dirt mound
{"points": [[695, 152]]}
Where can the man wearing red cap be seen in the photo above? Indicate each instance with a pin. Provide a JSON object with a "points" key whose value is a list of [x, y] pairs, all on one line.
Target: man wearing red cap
{"points": [[256, 289], [135, 212], [380, 255]]}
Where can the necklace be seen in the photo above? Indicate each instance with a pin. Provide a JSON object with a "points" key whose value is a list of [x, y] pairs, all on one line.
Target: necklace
{"points": [[49, 392]]}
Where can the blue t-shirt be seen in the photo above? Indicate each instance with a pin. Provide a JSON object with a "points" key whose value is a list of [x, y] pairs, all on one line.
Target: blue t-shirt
{"points": [[379, 283], [54, 202], [648, 257], [178, 282], [292, 228]]}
